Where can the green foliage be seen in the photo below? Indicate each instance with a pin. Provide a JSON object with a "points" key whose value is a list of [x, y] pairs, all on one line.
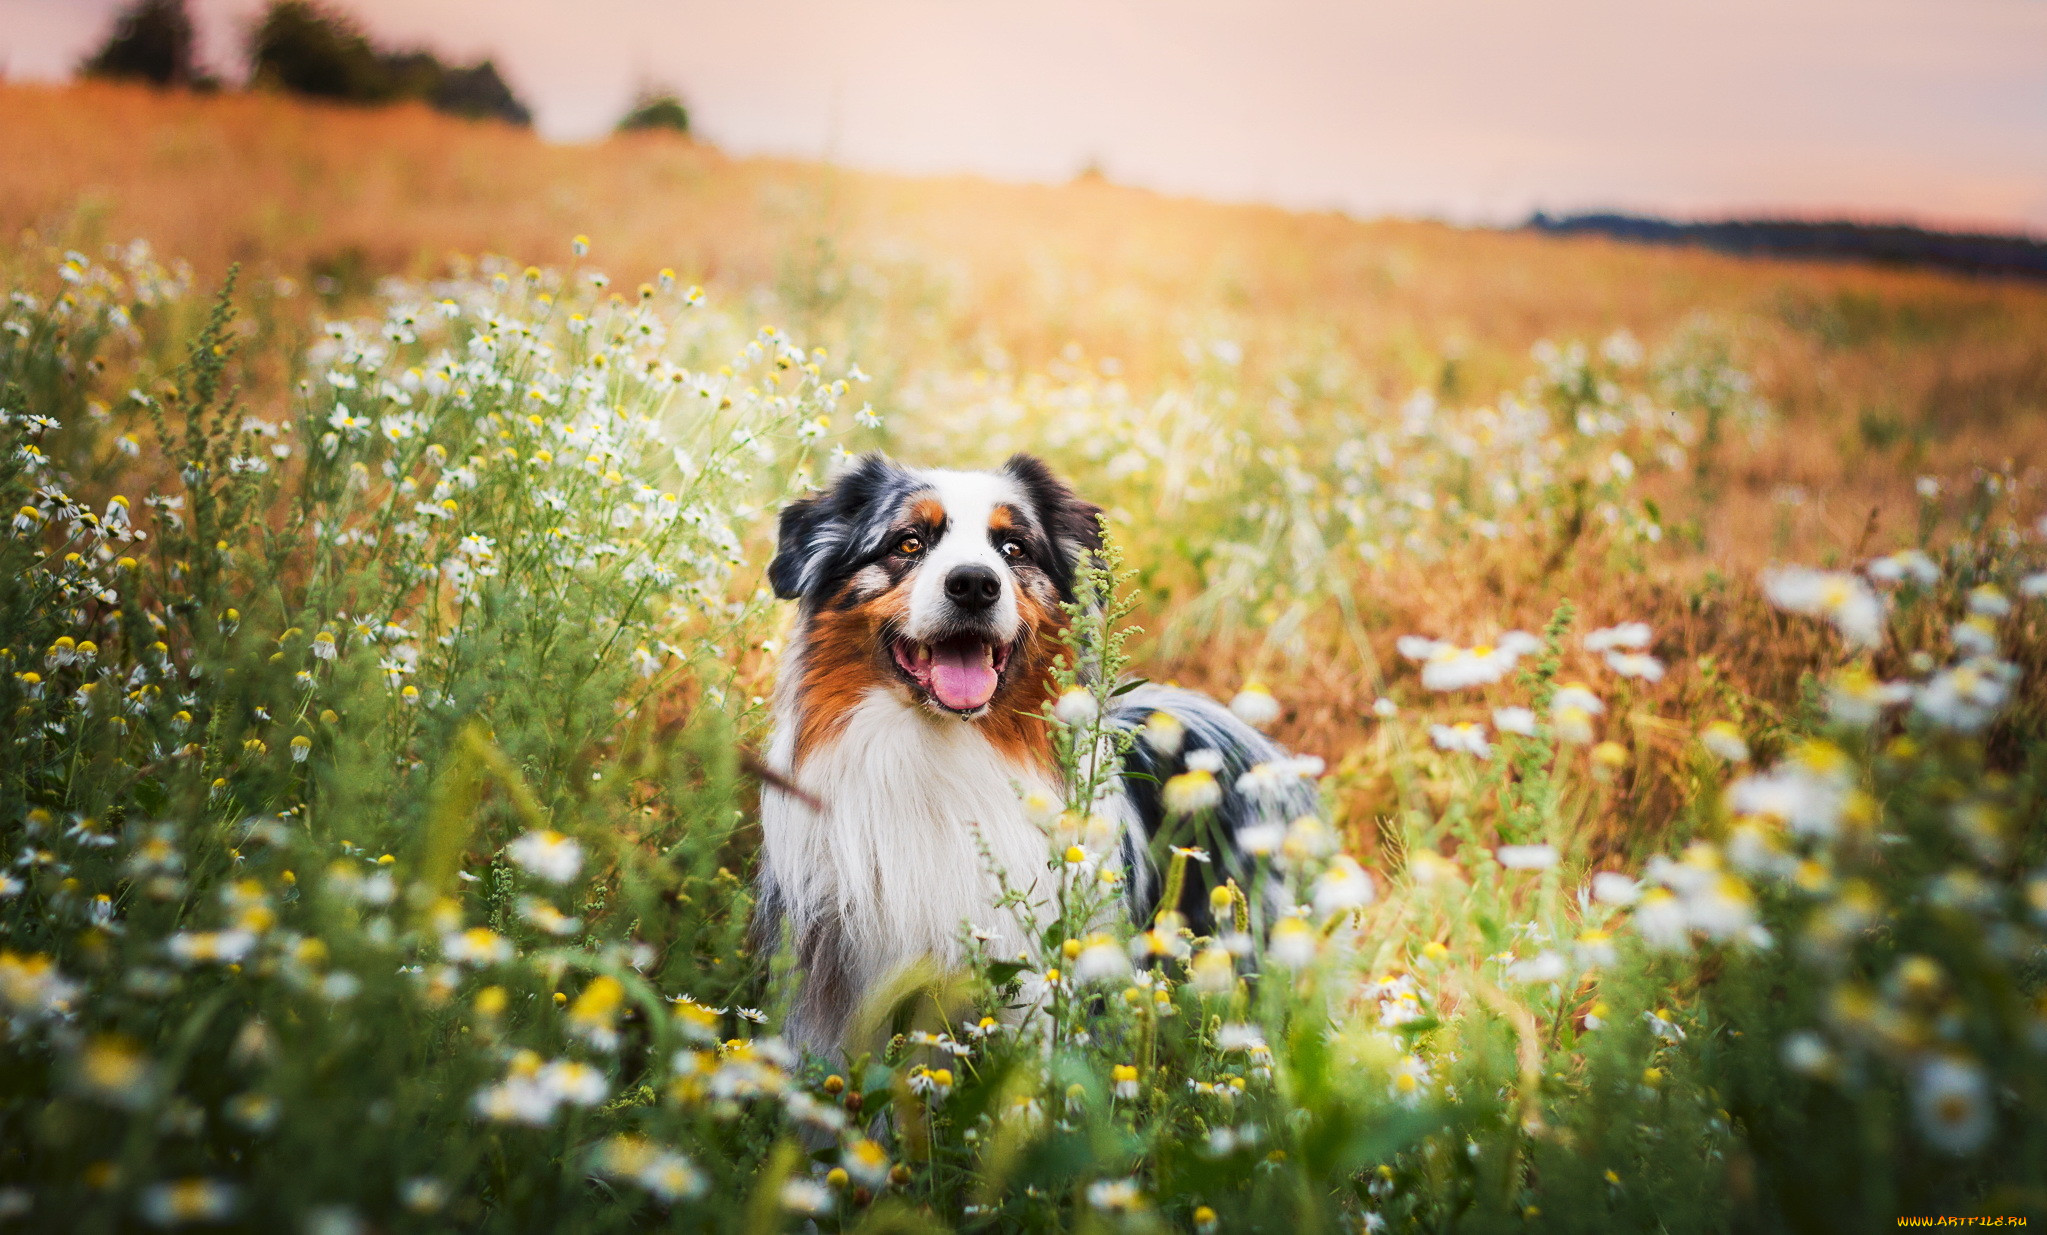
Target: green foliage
{"points": [[656, 110]]}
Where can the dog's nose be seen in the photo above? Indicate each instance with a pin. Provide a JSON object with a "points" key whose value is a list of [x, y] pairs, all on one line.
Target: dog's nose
{"points": [[972, 587]]}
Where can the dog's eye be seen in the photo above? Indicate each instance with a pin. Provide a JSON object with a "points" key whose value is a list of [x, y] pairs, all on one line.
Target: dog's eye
{"points": [[911, 546], [1012, 549]]}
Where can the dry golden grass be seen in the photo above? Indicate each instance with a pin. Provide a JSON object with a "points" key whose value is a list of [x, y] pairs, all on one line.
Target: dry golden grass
{"points": [[1876, 375]]}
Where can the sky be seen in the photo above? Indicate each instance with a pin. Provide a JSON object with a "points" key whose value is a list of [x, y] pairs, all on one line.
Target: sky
{"points": [[1469, 110]]}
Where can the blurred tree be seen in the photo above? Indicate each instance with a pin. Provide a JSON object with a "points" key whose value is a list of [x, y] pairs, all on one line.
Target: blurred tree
{"points": [[656, 109], [309, 48], [479, 93], [151, 41]]}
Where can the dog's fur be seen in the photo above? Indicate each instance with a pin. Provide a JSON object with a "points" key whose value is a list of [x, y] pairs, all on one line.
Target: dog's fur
{"points": [[885, 717]]}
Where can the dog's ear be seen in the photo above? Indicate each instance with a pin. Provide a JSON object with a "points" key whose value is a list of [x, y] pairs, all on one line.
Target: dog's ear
{"points": [[796, 547], [823, 536], [1073, 526]]}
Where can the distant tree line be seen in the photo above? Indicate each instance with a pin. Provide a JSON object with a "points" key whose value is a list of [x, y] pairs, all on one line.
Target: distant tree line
{"points": [[1894, 244], [307, 48]]}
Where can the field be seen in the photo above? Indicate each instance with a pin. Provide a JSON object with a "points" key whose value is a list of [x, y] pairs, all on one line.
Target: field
{"points": [[383, 860]]}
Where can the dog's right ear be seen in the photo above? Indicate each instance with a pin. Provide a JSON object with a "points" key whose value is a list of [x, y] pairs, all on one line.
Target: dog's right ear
{"points": [[825, 535], [798, 547]]}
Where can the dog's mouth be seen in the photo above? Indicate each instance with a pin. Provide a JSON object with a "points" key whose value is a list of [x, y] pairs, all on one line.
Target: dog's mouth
{"points": [[959, 673]]}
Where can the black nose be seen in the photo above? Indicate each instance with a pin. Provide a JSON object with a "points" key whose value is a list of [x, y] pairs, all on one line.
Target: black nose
{"points": [[972, 587]]}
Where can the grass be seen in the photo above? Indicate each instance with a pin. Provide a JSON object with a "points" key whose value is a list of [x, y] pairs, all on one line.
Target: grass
{"points": [[383, 861]]}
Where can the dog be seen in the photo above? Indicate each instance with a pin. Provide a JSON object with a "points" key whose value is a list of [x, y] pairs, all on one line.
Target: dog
{"points": [[909, 730]]}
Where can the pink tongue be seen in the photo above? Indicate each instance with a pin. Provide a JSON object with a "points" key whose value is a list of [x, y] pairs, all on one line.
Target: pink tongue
{"points": [[961, 677]]}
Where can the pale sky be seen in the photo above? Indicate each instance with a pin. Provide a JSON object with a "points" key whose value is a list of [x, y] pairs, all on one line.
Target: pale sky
{"points": [[1476, 110]]}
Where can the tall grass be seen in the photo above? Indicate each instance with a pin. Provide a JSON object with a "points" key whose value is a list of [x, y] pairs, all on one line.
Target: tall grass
{"points": [[381, 845]]}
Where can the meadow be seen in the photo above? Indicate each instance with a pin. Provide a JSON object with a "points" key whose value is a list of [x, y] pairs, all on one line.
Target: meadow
{"points": [[388, 635]]}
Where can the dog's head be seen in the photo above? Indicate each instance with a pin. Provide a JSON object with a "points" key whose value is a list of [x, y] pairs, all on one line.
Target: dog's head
{"points": [[938, 580]]}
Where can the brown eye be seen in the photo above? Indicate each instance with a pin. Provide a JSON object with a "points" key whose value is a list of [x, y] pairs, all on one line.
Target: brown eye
{"points": [[910, 547], [1012, 549]]}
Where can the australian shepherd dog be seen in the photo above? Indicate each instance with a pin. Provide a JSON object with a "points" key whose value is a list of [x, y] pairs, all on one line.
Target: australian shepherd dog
{"points": [[909, 729]]}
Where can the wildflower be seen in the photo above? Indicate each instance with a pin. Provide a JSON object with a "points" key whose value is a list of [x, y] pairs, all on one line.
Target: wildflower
{"points": [[1660, 918], [1665, 1029], [1912, 564], [187, 1201], [1571, 710], [1100, 959], [866, 1161], [1271, 781], [1384, 708], [479, 945], [1163, 734], [1466, 736], [667, 1174], [1514, 720], [1974, 636], [1123, 1081], [933, 1083], [1808, 794], [1724, 740], [1614, 888], [1293, 943], [1116, 1196], [200, 947], [1951, 1098], [1343, 887], [32, 985], [1192, 791], [1966, 697], [1635, 665], [594, 1014], [1448, 667], [1076, 707], [1632, 635], [547, 854], [547, 918], [1808, 1054], [1410, 1080], [806, 1196], [1307, 838], [1255, 706], [423, 1194], [1212, 972], [1595, 950], [1843, 599], [573, 1082], [1986, 600], [1544, 966], [1527, 857], [114, 1068]]}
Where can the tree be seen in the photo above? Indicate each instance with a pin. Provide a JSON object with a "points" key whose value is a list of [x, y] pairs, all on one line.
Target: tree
{"points": [[151, 41], [656, 109], [307, 48]]}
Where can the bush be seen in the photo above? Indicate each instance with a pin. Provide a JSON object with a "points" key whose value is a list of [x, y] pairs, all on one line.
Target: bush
{"points": [[656, 110]]}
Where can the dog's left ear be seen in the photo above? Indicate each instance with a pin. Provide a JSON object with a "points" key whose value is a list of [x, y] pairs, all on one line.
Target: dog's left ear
{"points": [[1072, 525]]}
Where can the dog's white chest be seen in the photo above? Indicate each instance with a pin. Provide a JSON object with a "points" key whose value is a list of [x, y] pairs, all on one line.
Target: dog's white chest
{"points": [[910, 802]]}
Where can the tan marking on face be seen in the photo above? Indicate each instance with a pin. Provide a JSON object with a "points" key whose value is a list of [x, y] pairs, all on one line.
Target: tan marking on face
{"points": [[928, 511], [1015, 722], [843, 659], [1002, 518]]}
